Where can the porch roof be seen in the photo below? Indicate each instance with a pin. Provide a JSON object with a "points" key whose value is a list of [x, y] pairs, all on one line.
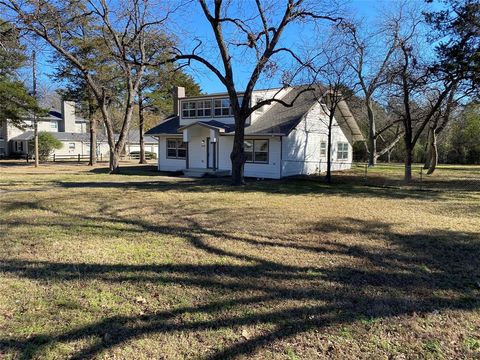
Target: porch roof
{"points": [[212, 124]]}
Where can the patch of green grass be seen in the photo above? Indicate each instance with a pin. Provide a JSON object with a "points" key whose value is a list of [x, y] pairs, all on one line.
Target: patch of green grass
{"points": [[472, 344], [433, 349]]}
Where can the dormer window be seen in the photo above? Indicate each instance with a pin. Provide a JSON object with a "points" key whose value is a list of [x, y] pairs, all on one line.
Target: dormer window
{"points": [[222, 107], [204, 108], [188, 109]]}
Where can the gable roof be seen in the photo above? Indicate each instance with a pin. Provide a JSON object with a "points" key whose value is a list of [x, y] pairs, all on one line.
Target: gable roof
{"points": [[277, 120]]}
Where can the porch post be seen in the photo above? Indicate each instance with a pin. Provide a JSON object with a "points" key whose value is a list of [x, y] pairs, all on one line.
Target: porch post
{"points": [[185, 140], [213, 140]]}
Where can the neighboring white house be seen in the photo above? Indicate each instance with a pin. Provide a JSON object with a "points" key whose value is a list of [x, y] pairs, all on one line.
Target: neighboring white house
{"points": [[69, 129], [279, 141]]}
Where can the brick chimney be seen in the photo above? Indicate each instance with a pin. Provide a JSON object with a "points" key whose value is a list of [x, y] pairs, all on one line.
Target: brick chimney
{"points": [[178, 93], [68, 117]]}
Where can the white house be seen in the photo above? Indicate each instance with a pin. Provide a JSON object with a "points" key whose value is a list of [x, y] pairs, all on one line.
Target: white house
{"points": [[69, 129], [279, 141]]}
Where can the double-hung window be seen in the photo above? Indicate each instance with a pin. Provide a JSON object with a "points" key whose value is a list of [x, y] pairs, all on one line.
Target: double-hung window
{"points": [[53, 125], [323, 148], [256, 151], [342, 151], [176, 149], [71, 146]]}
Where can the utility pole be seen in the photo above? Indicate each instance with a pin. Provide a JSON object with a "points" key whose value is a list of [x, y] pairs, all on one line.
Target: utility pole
{"points": [[35, 122]]}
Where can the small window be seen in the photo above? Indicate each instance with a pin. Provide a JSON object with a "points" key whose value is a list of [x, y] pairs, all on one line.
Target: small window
{"points": [[342, 151], [53, 125], [256, 151], [188, 109], [222, 107], [204, 108], [176, 149], [71, 146], [323, 148]]}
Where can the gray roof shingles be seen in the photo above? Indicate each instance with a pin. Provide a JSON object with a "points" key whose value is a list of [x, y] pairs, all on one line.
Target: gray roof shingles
{"points": [[278, 119]]}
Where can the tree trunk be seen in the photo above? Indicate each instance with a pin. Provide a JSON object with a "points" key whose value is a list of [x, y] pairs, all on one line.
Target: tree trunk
{"points": [[428, 155], [372, 139], [237, 156], [238, 161], [433, 154], [408, 165], [141, 127], [328, 177], [93, 142], [114, 161]]}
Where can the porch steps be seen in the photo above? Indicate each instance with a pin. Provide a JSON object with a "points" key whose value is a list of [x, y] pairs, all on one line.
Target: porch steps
{"points": [[198, 172]]}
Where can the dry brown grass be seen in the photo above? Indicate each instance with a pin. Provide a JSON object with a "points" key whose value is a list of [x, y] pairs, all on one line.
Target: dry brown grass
{"points": [[147, 266]]}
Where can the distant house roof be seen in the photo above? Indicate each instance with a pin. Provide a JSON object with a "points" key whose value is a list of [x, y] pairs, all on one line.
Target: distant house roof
{"points": [[55, 115], [277, 120], [133, 137]]}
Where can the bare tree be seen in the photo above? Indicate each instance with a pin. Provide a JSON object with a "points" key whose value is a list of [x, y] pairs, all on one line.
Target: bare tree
{"points": [[337, 84], [372, 55], [258, 33], [420, 96], [63, 25]]}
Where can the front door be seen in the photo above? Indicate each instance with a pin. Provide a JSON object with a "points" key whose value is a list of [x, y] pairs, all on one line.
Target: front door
{"points": [[211, 155]]}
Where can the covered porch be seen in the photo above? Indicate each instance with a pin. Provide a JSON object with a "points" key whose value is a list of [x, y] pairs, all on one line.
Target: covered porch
{"points": [[203, 149]]}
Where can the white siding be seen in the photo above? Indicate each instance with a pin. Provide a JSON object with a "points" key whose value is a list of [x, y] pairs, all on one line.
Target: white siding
{"points": [[301, 148], [164, 163], [268, 171]]}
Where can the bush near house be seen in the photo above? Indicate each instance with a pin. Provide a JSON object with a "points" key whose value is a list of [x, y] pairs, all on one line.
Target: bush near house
{"points": [[47, 144]]}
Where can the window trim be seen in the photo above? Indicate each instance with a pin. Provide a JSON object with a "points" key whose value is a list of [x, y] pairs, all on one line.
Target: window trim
{"points": [[253, 152], [343, 150], [230, 112], [177, 142], [323, 148]]}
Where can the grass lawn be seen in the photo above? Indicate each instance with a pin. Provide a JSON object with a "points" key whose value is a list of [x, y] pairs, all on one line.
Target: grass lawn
{"points": [[146, 266]]}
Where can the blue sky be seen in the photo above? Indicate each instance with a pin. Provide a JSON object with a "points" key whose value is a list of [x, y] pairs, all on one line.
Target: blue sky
{"points": [[368, 10]]}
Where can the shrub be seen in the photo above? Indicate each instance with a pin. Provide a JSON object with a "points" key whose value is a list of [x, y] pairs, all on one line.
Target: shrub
{"points": [[47, 143]]}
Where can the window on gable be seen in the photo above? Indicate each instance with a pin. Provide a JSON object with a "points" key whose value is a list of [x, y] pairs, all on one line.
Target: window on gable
{"points": [[342, 151], [323, 148], [176, 149], [256, 151]]}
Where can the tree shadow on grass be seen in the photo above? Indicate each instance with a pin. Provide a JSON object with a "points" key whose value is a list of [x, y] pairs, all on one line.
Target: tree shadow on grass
{"points": [[280, 187], [410, 275]]}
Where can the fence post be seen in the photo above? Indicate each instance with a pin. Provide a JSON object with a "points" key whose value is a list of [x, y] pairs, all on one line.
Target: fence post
{"points": [[53, 157], [366, 173]]}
